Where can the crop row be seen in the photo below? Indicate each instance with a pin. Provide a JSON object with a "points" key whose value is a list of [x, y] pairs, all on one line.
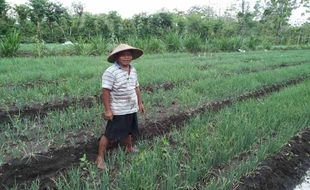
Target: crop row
{"points": [[183, 158], [43, 108], [80, 75], [25, 137], [55, 68]]}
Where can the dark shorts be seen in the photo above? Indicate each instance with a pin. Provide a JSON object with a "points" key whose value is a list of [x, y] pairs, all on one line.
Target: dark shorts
{"points": [[121, 126]]}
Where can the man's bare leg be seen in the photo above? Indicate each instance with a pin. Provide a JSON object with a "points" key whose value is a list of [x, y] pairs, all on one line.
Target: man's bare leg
{"points": [[128, 143], [103, 143]]}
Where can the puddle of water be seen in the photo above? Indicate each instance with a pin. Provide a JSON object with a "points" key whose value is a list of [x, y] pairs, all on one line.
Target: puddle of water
{"points": [[305, 185]]}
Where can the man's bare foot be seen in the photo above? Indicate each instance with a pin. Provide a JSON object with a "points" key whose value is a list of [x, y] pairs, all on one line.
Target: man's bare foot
{"points": [[100, 163], [131, 150]]}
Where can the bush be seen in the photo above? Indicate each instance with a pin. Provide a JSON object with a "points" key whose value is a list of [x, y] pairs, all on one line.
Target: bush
{"points": [[40, 49], [80, 47], [228, 44], [173, 42], [193, 43], [154, 45], [98, 46], [10, 44], [136, 42], [252, 42]]}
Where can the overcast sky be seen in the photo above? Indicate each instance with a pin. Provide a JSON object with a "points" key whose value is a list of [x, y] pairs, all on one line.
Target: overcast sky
{"points": [[128, 8]]}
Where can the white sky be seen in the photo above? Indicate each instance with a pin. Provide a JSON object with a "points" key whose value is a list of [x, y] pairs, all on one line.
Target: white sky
{"points": [[128, 8]]}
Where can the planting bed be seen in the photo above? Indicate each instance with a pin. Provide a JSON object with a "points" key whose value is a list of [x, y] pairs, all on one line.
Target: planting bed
{"points": [[283, 170], [43, 108], [49, 164], [218, 121]]}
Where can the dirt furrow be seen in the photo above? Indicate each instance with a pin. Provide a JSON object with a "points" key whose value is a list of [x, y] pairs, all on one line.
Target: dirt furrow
{"points": [[33, 84], [272, 67], [282, 171], [43, 108], [44, 165]]}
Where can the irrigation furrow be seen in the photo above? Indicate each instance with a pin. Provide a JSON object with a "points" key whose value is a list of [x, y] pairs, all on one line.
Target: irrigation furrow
{"points": [[272, 67], [49, 164], [88, 101], [33, 84], [44, 108], [267, 68], [283, 170], [41, 109]]}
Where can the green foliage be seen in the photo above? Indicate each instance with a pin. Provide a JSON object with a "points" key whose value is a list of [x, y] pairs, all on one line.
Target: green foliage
{"points": [[252, 42], [40, 49], [3, 8], [173, 42], [98, 46], [10, 44], [154, 45], [193, 43], [158, 32], [228, 44], [80, 47]]}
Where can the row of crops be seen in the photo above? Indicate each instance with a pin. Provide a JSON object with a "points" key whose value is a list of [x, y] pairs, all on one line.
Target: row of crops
{"points": [[211, 150]]}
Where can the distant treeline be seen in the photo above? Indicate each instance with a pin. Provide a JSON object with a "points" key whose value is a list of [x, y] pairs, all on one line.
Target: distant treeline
{"points": [[198, 28]]}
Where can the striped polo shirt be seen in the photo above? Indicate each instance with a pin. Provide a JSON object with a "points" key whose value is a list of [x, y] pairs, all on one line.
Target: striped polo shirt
{"points": [[123, 97]]}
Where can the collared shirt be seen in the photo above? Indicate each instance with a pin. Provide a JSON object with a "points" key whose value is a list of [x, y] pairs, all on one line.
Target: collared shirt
{"points": [[122, 86]]}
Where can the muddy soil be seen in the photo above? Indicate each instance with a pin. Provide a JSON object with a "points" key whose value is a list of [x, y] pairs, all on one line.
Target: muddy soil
{"points": [[282, 171], [49, 164], [272, 67], [42, 109], [165, 86], [33, 84]]}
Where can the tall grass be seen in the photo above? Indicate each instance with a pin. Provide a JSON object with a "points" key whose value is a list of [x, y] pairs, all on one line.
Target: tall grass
{"points": [[193, 43], [154, 45], [173, 42], [10, 44], [98, 46]]}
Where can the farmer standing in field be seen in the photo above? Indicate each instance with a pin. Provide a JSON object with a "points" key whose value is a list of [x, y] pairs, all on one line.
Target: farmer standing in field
{"points": [[121, 99]]}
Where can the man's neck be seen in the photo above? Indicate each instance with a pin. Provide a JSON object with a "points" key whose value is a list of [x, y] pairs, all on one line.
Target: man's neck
{"points": [[124, 67]]}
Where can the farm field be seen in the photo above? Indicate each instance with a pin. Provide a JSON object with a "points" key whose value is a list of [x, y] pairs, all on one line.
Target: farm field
{"points": [[210, 120]]}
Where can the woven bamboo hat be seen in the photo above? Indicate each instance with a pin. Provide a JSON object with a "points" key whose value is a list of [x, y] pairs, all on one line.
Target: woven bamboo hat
{"points": [[135, 52]]}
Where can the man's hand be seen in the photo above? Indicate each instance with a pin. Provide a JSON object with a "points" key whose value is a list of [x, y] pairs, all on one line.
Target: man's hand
{"points": [[141, 108], [108, 115]]}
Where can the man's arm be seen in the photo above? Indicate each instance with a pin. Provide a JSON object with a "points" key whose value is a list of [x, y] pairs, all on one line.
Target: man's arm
{"points": [[108, 115], [140, 103]]}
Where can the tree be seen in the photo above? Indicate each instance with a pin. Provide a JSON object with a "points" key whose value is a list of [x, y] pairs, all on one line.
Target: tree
{"points": [[3, 8], [245, 18], [6, 23], [78, 8], [57, 15], [276, 15], [160, 23], [38, 14]]}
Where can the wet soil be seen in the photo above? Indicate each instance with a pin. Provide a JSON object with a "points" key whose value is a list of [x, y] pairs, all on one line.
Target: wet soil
{"points": [[272, 67], [33, 84], [49, 164], [42, 109], [282, 171], [165, 86]]}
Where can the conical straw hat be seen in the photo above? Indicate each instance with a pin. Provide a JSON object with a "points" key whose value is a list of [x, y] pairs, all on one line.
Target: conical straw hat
{"points": [[136, 52]]}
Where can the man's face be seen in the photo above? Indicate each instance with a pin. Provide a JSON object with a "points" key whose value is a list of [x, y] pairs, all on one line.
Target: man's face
{"points": [[124, 58]]}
